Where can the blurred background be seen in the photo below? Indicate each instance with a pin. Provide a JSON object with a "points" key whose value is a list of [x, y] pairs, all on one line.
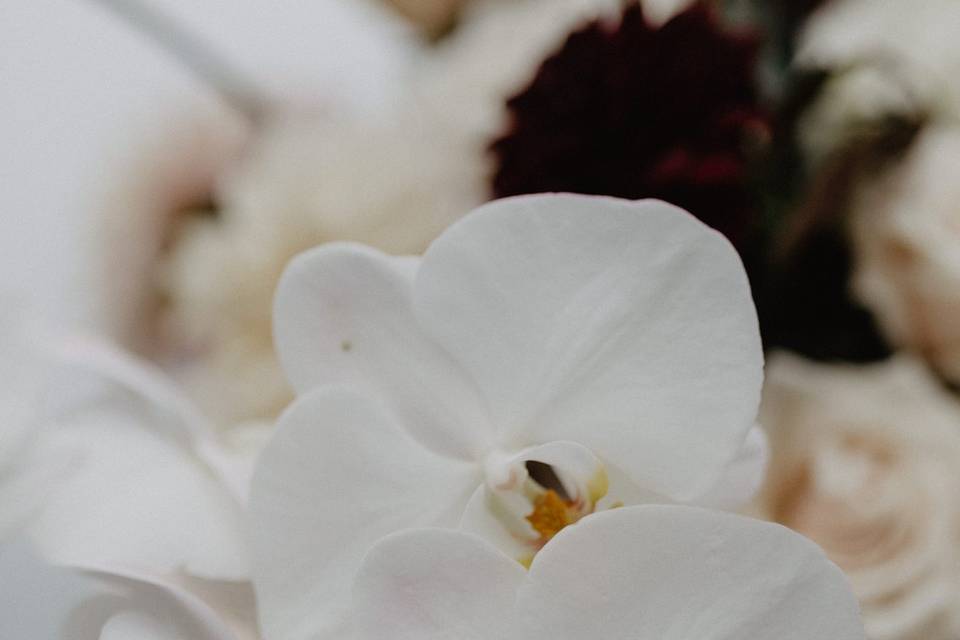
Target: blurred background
{"points": [[163, 160]]}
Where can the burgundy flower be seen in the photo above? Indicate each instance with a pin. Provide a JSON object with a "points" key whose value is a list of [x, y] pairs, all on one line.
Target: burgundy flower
{"points": [[635, 111]]}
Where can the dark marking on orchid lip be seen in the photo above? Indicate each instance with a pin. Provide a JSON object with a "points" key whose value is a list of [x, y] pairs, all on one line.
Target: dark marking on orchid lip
{"points": [[346, 346], [546, 476]]}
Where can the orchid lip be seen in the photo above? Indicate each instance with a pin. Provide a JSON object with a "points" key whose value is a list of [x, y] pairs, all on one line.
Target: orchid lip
{"points": [[534, 499]]}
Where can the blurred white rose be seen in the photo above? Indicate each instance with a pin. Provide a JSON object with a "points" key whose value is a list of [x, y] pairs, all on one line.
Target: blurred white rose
{"points": [[100, 106], [306, 181], [114, 136], [920, 31], [866, 462], [890, 57], [905, 225]]}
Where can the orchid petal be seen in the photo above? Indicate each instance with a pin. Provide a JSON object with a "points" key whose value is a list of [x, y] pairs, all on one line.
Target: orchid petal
{"points": [[230, 454], [26, 484], [146, 608], [26, 474], [625, 326], [339, 474], [233, 454], [136, 495], [111, 364], [743, 477], [676, 573], [665, 572], [20, 382], [35, 598], [432, 584], [39, 600], [343, 316]]}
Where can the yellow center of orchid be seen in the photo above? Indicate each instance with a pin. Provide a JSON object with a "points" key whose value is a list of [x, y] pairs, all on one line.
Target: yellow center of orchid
{"points": [[535, 501], [550, 514]]}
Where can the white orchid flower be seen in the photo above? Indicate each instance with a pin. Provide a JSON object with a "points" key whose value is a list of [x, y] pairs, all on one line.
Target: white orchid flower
{"points": [[549, 357], [107, 471], [141, 492], [40, 601], [664, 572]]}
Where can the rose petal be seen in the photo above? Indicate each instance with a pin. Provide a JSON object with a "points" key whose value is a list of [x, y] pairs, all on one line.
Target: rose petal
{"points": [[338, 475], [343, 316], [230, 453], [625, 326]]}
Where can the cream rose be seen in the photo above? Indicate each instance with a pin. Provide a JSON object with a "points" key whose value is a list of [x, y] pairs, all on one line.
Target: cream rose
{"points": [[866, 462], [905, 229], [893, 68], [909, 44], [306, 181]]}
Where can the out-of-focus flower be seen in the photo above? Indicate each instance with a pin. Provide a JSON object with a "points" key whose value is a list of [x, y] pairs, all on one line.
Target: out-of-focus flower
{"points": [[633, 110], [638, 572], [853, 106], [864, 461], [863, 95], [26, 473], [113, 107], [896, 58], [905, 226], [104, 468], [139, 493], [496, 50], [95, 202], [151, 489], [41, 601], [550, 356], [902, 36], [307, 181], [494, 54]]}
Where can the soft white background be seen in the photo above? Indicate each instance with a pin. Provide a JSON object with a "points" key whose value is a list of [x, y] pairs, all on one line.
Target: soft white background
{"points": [[77, 87]]}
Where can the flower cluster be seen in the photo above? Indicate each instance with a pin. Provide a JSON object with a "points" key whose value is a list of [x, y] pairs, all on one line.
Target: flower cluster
{"points": [[415, 319], [478, 433], [864, 463]]}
